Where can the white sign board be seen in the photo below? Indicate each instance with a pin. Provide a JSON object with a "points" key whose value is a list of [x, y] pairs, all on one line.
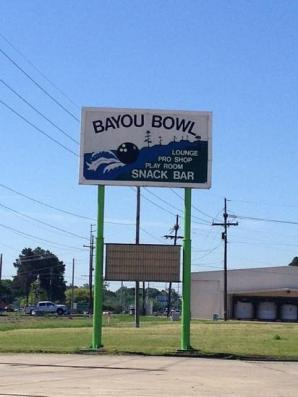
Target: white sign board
{"points": [[141, 147]]}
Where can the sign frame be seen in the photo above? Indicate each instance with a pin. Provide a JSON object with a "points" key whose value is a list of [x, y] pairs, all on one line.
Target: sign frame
{"points": [[185, 120]]}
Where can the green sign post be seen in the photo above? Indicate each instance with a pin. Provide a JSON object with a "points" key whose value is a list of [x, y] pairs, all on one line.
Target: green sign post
{"points": [[186, 276], [98, 274]]}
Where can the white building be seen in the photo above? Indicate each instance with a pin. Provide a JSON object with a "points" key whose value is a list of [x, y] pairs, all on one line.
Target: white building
{"points": [[269, 293]]}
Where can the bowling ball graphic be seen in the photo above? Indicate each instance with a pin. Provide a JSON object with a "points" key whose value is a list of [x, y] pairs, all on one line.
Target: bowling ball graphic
{"points": [[127, 152]]}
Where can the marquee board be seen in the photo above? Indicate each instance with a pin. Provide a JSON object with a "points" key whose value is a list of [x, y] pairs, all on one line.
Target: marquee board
{"points": [[142, 262]]}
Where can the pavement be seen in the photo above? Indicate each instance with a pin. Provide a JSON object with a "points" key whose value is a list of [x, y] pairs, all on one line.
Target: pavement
{"points": [[60, 375]]}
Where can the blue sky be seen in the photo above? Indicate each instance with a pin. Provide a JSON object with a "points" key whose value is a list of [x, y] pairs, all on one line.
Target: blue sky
{"points": [[237, 59]]}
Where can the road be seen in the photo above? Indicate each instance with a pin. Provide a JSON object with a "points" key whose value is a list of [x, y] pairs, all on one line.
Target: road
{"points": [[53, 375]]}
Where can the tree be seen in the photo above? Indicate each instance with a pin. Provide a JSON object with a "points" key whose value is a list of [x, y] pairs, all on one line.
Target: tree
{"points": [[176, 300], [294, 261], [36, 293], [81, 297], [6, 293], [34, 264], [110, 301], [125, 297], [152, 293], [80, 294]]}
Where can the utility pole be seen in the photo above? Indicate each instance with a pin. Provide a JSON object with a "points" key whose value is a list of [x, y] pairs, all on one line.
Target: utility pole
{"points": [[1, 259], [224, 237], [172, 237], [91, 255], [0, 268], [143, 298], [137, 286], [72, 286], [51, 284], [121, 296]]}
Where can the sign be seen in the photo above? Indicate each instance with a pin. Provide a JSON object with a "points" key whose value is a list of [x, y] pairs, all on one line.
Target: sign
{"points": [[145, 148], [142, 262]]}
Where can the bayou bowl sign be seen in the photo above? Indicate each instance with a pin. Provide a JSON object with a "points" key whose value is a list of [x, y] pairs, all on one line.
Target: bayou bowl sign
{"points": [[145, 148]]}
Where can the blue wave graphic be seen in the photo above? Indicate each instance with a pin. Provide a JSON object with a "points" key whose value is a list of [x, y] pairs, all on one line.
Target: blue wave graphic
{"points": [[106, 165]]}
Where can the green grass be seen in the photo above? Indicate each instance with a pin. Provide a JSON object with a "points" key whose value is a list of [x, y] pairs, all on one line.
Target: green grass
{"points": [[275, 340], [19, 321], [12, 321], [157, 335]]}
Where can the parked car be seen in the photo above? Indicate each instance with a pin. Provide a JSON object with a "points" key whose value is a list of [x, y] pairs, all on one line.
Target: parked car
{"points": [[44, 307], [8, 308]]}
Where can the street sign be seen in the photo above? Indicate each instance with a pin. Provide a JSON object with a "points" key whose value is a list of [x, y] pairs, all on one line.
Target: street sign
{"points": [[139, 147]]}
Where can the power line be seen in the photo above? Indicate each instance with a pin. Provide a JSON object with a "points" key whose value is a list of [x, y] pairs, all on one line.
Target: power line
{"points": [[43, 268], [157, 205], [270, 244], [194, 207], [206, 265], [208, 252], [39, 71], [264, 219], [38, 129], [38, 85], [37, 238], [178, 209], [36, 256], [25, 272], [121, 223], [162, 200], [43, 223], [273, 231], [45, 204], [60, 209], [168, 211], [71, 213], [7, 246], [38, 112], [264, 203], [205, 250], [151, 235]]}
